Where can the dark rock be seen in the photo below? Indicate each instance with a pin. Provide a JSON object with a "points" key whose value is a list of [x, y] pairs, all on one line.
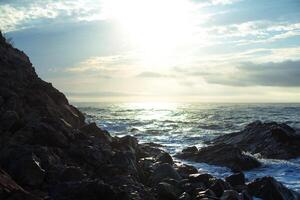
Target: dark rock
{"points": [[269, 189], [92, 190], [203, 178], [223, 155], [185, 170], [270, 140], [165, 158], [218, 186], [167, 191], [236, 179], [206, 194], [185, 196], [230, 195], [164, 171], [10, 190], [71, 174], [8, 119], [192, 149], [94, 130]]}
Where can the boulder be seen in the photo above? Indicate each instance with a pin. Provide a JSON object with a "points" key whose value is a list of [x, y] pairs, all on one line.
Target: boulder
{"points": [[218, 186], [268, 188], [202, 178], [230, 195], [185, 170], [224, 155], [270, 140], [94, 130], [167, 191], [164, 157], [71, 174], [192, 149], [236, 179], [164, 171]]}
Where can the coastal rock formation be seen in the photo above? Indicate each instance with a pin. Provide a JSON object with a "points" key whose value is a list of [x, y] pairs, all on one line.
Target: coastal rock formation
{"points": [[221, 154], [48, 152], [270, 140]]}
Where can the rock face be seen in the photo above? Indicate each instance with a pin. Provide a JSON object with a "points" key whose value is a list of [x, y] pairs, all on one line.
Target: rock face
{"points": [[270, 140], [231, 157], [47, 151]]}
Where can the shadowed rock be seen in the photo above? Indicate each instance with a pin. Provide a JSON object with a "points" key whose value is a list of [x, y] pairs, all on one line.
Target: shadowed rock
{"points": [[270, 140], [223, 155]]}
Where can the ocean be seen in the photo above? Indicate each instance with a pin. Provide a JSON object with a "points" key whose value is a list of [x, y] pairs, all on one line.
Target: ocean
{"points": [[178, 125]]}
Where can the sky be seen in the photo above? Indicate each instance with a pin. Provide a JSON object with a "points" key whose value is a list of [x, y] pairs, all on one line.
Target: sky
{"points": [[161, 50]]}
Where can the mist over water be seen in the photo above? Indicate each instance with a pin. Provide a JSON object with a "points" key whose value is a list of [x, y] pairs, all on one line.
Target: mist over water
{"points": [[180, 125]]}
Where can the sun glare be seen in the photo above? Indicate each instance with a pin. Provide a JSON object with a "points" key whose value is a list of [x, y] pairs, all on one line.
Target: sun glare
{"points": [[157, 28]]}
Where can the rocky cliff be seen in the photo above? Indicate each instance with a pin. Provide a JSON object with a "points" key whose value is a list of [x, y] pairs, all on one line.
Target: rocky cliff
{"points": [[47, 151]]}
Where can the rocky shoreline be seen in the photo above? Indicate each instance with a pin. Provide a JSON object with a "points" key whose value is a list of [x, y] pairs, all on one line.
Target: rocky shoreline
{"points": [[48, 151]]}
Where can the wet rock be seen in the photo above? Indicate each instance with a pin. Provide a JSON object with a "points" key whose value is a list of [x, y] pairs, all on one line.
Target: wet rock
{"points": [[236, 179], [223, 155], [192, 149], [94, 130], [185, 196], [230, 195], [218, 186], [206, 194], [269, 189], [185, 170], [167, 191], [165, 158], [164, 171], [270, 140], [202, 178]]}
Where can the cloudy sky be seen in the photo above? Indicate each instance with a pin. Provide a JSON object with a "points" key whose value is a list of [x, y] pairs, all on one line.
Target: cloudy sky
{"points": [[161, 50]]}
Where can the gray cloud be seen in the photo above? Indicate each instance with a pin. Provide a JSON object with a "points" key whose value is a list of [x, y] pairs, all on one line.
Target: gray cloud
{"points": [[281, 74]]}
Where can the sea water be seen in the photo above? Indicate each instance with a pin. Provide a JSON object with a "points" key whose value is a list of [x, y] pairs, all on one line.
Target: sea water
{"points": [[178, 125]]}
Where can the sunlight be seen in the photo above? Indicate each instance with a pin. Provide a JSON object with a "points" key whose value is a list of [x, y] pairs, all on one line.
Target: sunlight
{"points": [[156, 28]]}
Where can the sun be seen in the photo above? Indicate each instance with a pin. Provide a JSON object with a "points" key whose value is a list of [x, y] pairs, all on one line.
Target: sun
{"points": [[157, 28]]}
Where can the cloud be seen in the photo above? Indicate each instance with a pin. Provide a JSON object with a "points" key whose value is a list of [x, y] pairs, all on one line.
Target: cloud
{"points": [[280, 74], [16, 15]]}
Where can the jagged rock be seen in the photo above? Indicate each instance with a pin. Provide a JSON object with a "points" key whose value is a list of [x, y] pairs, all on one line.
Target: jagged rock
{"points": [[71, 174], [185, 196], [167, 191], [270, 140], [202, 178], [185, 170], [10, 190], [230, 195], [231, 157], [164, 171], [92, 190], [165, 158], [94, 130], [218, 186], [236, 179], [192, 149], [268, 188]]}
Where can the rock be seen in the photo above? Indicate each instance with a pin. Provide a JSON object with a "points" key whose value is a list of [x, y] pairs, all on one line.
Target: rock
{"points": [[269, 189], [9, 189], [236, 179], [94, 130], [71, 174], [218, 186], [1, 101], [192, 149], [167, 191], [92, 190], [164, 158], [202, 178], [206, 194], [185, 170], [270, 140], [231, 157], [8, 119], [230, 195], [185, 196], [164, 171]]}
